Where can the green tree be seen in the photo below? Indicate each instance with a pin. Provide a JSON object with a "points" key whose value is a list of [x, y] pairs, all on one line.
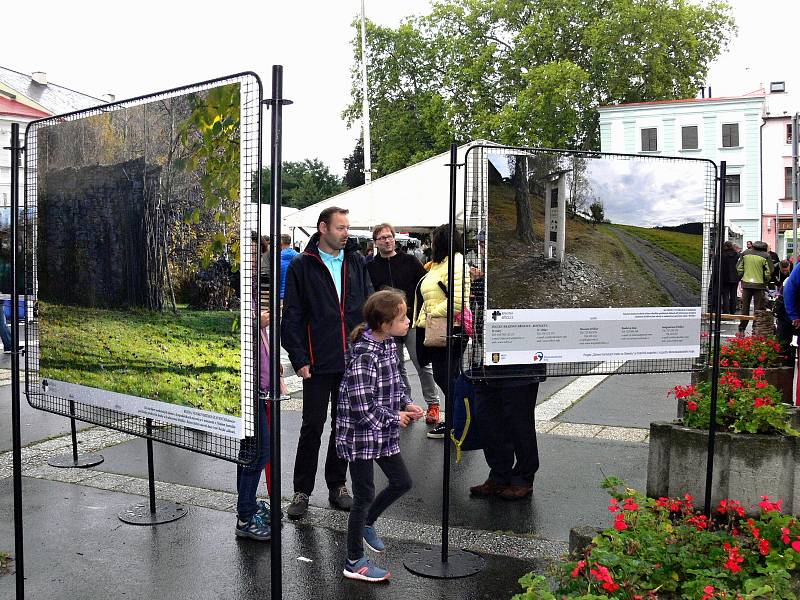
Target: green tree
{"points": [[304, 183], [597, 212], [528, 73]]}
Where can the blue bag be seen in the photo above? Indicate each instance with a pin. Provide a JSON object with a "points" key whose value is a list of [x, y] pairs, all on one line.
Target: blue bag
{"points": [[465, 433]]}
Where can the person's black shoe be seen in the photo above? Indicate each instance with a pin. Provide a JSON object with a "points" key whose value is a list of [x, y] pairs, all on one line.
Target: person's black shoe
{"points": [[437, 433], [299, 506], [341, 498]]}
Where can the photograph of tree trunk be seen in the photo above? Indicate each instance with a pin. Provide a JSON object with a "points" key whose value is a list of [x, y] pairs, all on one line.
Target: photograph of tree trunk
{"points": [[137, 242], [634, 232]]}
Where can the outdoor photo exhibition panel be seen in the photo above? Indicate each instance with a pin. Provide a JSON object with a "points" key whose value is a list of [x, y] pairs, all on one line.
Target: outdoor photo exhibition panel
{"points": [[141, 253], [591, 263]]}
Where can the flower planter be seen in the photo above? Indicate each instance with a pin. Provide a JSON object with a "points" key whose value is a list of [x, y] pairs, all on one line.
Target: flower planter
{"points": [[746, 466], [781, 377]]}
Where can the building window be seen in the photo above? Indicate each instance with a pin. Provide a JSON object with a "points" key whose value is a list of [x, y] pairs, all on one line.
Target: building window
{"points": [[788, 133], [650, 139], [733, 190], [787, 182], [730, 135], [689, 137]]}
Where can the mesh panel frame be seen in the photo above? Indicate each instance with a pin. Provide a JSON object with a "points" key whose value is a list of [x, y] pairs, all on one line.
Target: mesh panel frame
{"points": [[213, 444], [475, 220]]}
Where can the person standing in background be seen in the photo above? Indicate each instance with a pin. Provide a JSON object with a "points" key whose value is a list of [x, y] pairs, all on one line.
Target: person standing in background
{"points": [[403, 272], [755, 269], [287, 255]]}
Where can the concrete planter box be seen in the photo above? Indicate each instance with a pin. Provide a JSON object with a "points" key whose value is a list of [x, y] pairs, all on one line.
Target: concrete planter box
{"points": [[746, 466]]}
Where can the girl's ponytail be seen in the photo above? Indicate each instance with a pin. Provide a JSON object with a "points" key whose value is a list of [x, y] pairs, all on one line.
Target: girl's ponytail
{"points": [[357, 331]]}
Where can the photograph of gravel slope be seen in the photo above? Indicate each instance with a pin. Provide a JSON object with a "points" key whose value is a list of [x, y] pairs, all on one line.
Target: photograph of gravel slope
{"points": [[634, 233]]}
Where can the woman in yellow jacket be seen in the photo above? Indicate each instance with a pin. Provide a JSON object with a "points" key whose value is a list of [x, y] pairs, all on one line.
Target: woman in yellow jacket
{"points": [[434, 304]]}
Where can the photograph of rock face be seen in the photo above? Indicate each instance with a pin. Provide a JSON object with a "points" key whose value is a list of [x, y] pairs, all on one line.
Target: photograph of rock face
{"points": [[137, 241], [632, 232]]}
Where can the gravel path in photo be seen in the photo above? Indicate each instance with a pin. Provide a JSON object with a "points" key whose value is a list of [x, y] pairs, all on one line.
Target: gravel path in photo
{"points": [[656, 261]]}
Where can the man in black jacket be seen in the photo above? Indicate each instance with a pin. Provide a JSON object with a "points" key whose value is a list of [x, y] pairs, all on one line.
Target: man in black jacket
{"points": [[326, 287], [401, 271]]}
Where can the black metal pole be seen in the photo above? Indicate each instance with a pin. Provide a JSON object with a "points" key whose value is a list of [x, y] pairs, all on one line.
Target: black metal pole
{"points": [[448, 400], [73, 431], [716, 308], [458, 563], [16, 437], [151, 478], [276, 570]]}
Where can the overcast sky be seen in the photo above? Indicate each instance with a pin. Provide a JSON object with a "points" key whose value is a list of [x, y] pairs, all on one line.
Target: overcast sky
{"points": [[645, 193], [146, 46], [649, 193]]}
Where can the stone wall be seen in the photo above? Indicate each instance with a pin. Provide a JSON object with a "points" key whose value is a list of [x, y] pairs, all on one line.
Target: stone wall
{"points": [[746, 466], [92, 237]]}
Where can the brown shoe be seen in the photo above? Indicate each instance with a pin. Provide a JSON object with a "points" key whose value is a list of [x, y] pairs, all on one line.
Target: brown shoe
{"points": [[516, 492], [487, 489]]}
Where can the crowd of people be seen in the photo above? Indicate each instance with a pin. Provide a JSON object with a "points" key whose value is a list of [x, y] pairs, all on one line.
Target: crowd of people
{"points": [[346, 323], [749, 276]]}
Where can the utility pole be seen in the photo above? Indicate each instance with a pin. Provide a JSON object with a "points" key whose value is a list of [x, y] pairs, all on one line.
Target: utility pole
{"points": [[795, 187], [365, 100]]}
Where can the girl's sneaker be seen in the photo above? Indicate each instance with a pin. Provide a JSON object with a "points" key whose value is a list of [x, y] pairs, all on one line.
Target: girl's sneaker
{"points": [[255, 528], [265, 512], [364, 570], [372, 540]]}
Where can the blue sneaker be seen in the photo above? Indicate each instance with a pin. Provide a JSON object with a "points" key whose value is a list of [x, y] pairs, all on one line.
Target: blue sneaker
{"points": [[372, 540], [364, 570], [265, 512], [256, 528]]}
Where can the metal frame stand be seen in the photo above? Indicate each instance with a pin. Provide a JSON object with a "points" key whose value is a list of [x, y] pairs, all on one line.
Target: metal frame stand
{"points": [[155, 511], [439, 562], [276, 103], [716, 300], [75, 460], [16, 434]]}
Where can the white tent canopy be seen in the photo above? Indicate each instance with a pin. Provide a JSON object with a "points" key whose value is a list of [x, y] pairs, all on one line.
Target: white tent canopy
{"points": [[416, 197]]}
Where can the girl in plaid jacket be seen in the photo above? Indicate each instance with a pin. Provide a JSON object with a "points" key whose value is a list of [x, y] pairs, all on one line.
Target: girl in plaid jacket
{"points": [[373, 405]]}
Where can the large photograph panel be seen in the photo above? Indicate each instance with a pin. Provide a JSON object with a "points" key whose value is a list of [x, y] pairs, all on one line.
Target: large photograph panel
{"points": [[593, 259], [143, 260]]}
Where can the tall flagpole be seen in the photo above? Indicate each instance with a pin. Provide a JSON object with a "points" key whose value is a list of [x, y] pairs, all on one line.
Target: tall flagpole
{"points": [[365, 99]]}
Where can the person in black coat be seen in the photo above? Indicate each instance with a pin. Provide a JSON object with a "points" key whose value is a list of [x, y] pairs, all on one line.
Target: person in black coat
{"points": [[326, 287], [730, 278], [394, 269]]}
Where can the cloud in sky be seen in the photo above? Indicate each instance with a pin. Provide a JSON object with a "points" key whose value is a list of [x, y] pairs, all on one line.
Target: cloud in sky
{"points": [[649, 193], [642, 192]]}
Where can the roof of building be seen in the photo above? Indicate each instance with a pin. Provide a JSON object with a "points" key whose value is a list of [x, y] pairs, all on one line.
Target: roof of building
{"points": [[11, 107], [754, 95], [56, 99]]}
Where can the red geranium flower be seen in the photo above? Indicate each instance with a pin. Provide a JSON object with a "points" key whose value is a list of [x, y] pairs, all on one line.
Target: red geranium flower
{"points": [[768, 506], [763, 547]]}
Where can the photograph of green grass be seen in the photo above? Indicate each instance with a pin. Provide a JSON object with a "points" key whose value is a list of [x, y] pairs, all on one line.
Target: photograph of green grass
{"points": [[141, 297], [190, 359]]}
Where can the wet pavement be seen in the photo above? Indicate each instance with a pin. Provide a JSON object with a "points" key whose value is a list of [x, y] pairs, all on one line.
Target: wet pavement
{"points": [[77, 548]]}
